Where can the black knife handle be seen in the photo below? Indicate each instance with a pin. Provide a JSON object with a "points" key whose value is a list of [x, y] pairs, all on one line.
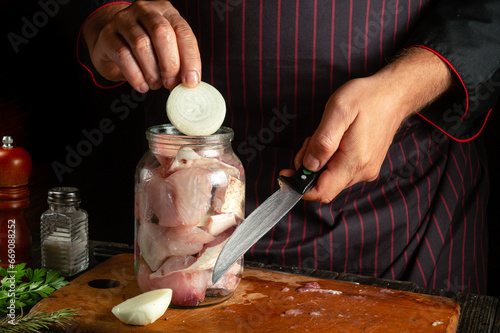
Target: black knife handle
{"points": [[302, 180]]}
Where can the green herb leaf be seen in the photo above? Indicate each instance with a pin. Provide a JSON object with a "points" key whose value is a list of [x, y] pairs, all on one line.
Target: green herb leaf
{"points": [[54, 279], [40, 284], [3, 271], [36, 275]]}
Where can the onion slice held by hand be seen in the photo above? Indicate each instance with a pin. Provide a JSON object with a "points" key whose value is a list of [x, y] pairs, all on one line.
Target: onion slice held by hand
{"points": [[196, 111]]}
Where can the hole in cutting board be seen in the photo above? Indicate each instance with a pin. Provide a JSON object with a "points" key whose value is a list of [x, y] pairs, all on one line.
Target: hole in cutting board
{"points": [[104, 283]]}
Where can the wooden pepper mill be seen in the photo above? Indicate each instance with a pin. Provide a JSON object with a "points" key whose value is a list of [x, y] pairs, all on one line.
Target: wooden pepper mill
{"points": [[15, 236]]}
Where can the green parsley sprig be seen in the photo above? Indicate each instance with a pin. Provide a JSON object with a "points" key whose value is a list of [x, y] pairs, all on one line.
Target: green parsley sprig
{"points": [[31, 286]]}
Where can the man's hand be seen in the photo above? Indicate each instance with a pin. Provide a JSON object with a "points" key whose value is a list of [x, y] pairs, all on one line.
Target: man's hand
{"points": [[147, 44], [362, 117]]}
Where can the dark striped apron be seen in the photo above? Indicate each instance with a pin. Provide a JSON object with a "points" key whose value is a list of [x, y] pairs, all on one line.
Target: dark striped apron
{"points": [[277, 62]]}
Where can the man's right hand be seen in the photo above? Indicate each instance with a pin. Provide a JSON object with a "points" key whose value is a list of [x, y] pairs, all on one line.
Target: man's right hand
{"points": [[147, 44]]}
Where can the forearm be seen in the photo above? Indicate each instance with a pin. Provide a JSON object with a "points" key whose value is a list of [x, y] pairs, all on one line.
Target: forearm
{"points": [[417, 77], [362, 116]]}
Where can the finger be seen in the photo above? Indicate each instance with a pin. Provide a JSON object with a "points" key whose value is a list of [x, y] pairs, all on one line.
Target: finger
{"points": [[300, 155], [287, 172], [190, 60], [321, 147], [165, 47], [326, 139], [322, 191], [327, 187], [143, 50], [118, 63], [336, 177]]}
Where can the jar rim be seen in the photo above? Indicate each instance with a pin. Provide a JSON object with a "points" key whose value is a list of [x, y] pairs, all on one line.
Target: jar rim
{"points": [[165, 133]]}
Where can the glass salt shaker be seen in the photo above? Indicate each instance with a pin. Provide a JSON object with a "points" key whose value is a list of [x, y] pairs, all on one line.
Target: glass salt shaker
{"points": [[64, 232]]}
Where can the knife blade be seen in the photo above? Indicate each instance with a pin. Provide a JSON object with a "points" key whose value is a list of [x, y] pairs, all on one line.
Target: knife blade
{"points": [[263, 218]]}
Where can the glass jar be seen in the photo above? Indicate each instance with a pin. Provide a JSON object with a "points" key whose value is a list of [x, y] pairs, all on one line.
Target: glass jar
{"points": [[189, 198], [64, 232]]}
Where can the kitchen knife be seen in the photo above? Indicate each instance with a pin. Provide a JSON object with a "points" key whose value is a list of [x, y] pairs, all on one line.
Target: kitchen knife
{"points": [[263, 218]]}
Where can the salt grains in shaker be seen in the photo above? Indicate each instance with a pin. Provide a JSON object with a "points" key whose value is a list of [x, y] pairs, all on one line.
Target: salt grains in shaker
{"points": [[64, 233]]}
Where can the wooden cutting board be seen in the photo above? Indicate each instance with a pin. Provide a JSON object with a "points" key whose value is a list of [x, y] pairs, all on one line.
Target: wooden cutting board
{"points": [[260, 304]]}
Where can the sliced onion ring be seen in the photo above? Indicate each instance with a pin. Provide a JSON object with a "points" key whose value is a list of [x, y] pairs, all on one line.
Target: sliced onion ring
{"points": [[196, 111]]}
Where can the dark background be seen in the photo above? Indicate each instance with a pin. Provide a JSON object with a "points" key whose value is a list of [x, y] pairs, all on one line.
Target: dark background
{"points": [[51, 107], [48, 103]]}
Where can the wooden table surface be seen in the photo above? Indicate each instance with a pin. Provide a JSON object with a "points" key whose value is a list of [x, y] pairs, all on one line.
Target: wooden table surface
{"points": [[479, 313], [265, 301]]}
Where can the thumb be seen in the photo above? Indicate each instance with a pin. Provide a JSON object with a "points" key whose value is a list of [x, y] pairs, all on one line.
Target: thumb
{"points": [[325, 141], [321, 147]]}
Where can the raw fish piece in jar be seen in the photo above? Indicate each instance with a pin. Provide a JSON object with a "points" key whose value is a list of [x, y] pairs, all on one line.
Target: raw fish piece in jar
{"points": [[228, 282], [185, 158], [156, 242], [143, 276], [220, 222], [142, 210], [165, 156], [205, 261], [188, 158], [174, 264], [229, 199], [210, 252], [189, 276], [188, 289], [181, 199]]}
